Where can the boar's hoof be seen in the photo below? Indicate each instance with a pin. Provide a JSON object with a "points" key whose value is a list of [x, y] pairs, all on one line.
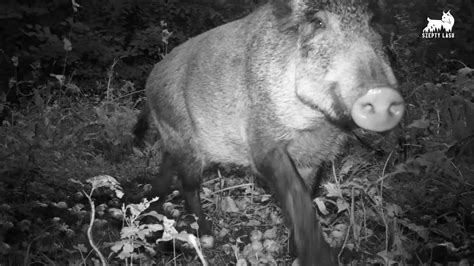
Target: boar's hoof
{"points": [[207, 241]]}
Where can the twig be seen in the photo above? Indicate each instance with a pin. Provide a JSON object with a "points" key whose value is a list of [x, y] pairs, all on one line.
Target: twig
{"points": [[381, 200], [50, 261], [82, 257], [89, 230], [231, 188], [383, 173], [130, 94], [110, 76], [346, 238], [211, 181]]}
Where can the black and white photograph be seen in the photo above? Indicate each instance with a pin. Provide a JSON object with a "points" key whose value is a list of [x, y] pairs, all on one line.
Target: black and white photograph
{"points": [[237, 132]]}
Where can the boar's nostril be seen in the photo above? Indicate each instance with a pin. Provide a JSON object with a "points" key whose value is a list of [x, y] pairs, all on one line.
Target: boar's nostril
{"points": [[368, 108], [396, 109], [380, 109]]}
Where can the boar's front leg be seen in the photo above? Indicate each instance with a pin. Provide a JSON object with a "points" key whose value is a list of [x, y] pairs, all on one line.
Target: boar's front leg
{"points": [[277, 168]]}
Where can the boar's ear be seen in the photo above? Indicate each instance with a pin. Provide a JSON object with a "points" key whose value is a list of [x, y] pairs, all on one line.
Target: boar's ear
{"points": [[289, 14], [287, 8], [281, 9]]}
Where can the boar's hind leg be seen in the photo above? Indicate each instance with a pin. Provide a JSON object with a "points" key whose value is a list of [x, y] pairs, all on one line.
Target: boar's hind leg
{"points": [[161, 185], [277, 168], [189, 172], [189, 175]]}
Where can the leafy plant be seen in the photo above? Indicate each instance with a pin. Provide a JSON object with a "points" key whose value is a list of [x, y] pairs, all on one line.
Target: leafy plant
{"points": [[133, 236]]}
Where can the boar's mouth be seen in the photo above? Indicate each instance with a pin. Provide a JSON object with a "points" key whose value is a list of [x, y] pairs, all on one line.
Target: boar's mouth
{"points": [[340, 116]]}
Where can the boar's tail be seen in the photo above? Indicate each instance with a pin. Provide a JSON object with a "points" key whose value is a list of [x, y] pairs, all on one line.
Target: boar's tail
{"points": [[142, 125]]}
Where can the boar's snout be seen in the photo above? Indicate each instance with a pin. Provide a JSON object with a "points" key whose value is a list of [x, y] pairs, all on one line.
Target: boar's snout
{"points": [[380, 109]]}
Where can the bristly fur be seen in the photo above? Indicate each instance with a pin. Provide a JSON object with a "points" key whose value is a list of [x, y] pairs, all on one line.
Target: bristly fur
{"points": [[351, 12]]}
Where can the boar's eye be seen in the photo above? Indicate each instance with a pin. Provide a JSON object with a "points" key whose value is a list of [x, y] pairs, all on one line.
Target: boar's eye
{"points": [[313, 25], [318, 23]]}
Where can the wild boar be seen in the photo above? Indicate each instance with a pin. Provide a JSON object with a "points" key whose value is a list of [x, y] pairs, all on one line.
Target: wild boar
{"points": [[277, 91]]}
